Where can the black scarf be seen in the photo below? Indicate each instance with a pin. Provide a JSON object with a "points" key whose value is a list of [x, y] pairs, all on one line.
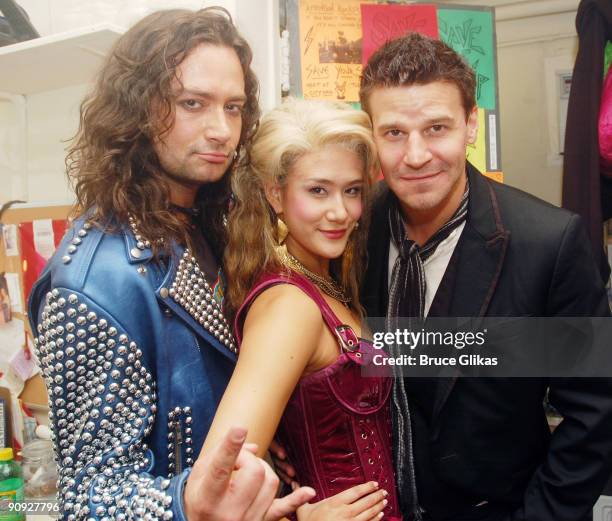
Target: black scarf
{"points": [[407, 299]]}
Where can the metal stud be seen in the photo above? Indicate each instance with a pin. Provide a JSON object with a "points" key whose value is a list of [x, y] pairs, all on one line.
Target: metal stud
{"points": [[77, 376]]}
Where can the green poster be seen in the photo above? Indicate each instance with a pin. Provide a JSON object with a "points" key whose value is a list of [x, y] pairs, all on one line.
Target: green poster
{"points": [[470, 33]]}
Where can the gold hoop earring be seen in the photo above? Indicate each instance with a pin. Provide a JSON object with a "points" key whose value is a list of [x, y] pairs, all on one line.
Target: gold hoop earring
{"points": [[281, 230]]}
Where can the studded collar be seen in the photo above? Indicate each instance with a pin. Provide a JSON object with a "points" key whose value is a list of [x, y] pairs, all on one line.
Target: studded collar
{"points": [[180, 287], [138, 248], [186, 291]]}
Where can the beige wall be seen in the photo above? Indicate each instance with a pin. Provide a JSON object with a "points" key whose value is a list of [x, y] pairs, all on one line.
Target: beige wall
{"points": [[529, 118]]}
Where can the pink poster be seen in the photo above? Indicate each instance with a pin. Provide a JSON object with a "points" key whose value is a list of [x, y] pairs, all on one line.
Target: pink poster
{"points": [[37, 247], [381, 23]]}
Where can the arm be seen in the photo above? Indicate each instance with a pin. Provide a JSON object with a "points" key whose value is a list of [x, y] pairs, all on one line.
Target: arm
{"points": [[281, 332], [569, 481], [102, 407], [232, 483]]}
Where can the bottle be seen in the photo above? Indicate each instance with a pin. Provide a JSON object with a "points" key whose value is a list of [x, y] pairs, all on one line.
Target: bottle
{"points": [[11, 487]]}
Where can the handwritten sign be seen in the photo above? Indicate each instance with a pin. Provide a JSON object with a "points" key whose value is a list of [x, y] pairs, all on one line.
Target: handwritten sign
{"points": [[382, 23], [470, 33], [330, 49]]}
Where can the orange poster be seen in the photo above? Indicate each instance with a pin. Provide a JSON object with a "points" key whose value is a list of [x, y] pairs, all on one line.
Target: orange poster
{"points": [[330, 49]]}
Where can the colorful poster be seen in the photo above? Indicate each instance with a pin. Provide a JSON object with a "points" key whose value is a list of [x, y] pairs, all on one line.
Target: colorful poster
{"points": [[33, 261], [330, 49], [470, 33], [477, 153], [385, 22]]}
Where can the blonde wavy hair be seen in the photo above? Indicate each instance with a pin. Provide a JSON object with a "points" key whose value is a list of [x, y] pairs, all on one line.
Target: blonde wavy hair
{"points": [[285, 134]]}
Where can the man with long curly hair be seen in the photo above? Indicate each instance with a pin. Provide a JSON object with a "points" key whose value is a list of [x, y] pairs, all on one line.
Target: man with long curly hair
{"points": [[134, 346]]}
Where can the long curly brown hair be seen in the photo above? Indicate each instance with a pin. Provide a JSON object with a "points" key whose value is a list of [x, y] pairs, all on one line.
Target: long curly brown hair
{"points": [[111, 162], [285, 134]]}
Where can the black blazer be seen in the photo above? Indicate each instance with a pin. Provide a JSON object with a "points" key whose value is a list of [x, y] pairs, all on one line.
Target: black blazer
{"points": [[518, 256]]}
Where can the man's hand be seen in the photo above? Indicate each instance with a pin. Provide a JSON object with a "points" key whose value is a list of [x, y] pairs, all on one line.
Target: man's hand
{"points": [[230, 482], [283, 468]]}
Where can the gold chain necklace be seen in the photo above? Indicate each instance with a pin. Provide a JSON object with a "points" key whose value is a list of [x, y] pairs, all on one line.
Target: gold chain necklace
{"points": [[326, 284]]}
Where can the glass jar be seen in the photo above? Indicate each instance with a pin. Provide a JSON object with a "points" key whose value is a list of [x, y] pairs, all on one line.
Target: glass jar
{"points": [[39, 469]]}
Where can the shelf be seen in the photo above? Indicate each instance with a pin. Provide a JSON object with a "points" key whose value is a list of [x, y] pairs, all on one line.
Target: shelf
{"points": [[55, 61]]}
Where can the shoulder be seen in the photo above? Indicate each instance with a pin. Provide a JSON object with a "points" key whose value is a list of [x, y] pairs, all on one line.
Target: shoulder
{"points": [[98, 264], [82, 252], [287, 311], [525, 215], [282, 324], [285, 302]]}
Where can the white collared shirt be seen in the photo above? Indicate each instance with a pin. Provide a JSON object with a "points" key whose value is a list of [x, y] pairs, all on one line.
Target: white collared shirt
{"points": [[435, 266]]}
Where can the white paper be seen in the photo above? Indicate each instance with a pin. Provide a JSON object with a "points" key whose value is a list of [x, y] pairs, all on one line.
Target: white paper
{"points": [[22, 364], [35, 360], [14, 289], [43, 238], [12, 338], [9, 237], [492, 142]]}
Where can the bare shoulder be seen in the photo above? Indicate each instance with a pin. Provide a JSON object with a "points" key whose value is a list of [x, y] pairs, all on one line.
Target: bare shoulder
{"points": [[284, 312], [286, 302]]}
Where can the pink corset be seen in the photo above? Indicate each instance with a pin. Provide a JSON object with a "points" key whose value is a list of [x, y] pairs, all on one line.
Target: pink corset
{"points": [[337, 424]]}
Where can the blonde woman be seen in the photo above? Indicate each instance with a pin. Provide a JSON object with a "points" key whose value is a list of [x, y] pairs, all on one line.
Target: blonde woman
{"points": [[295, 255]]}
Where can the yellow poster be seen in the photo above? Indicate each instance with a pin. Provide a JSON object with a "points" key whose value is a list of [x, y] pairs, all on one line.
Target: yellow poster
{"points": [[330, 49], [477, 153], [496, 176]]}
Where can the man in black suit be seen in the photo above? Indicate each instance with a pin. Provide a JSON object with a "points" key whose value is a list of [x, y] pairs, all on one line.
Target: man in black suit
{"points": [[445, 241]]}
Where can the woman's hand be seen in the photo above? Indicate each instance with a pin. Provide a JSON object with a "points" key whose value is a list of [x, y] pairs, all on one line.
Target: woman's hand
{"points": [[360, 503]]}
